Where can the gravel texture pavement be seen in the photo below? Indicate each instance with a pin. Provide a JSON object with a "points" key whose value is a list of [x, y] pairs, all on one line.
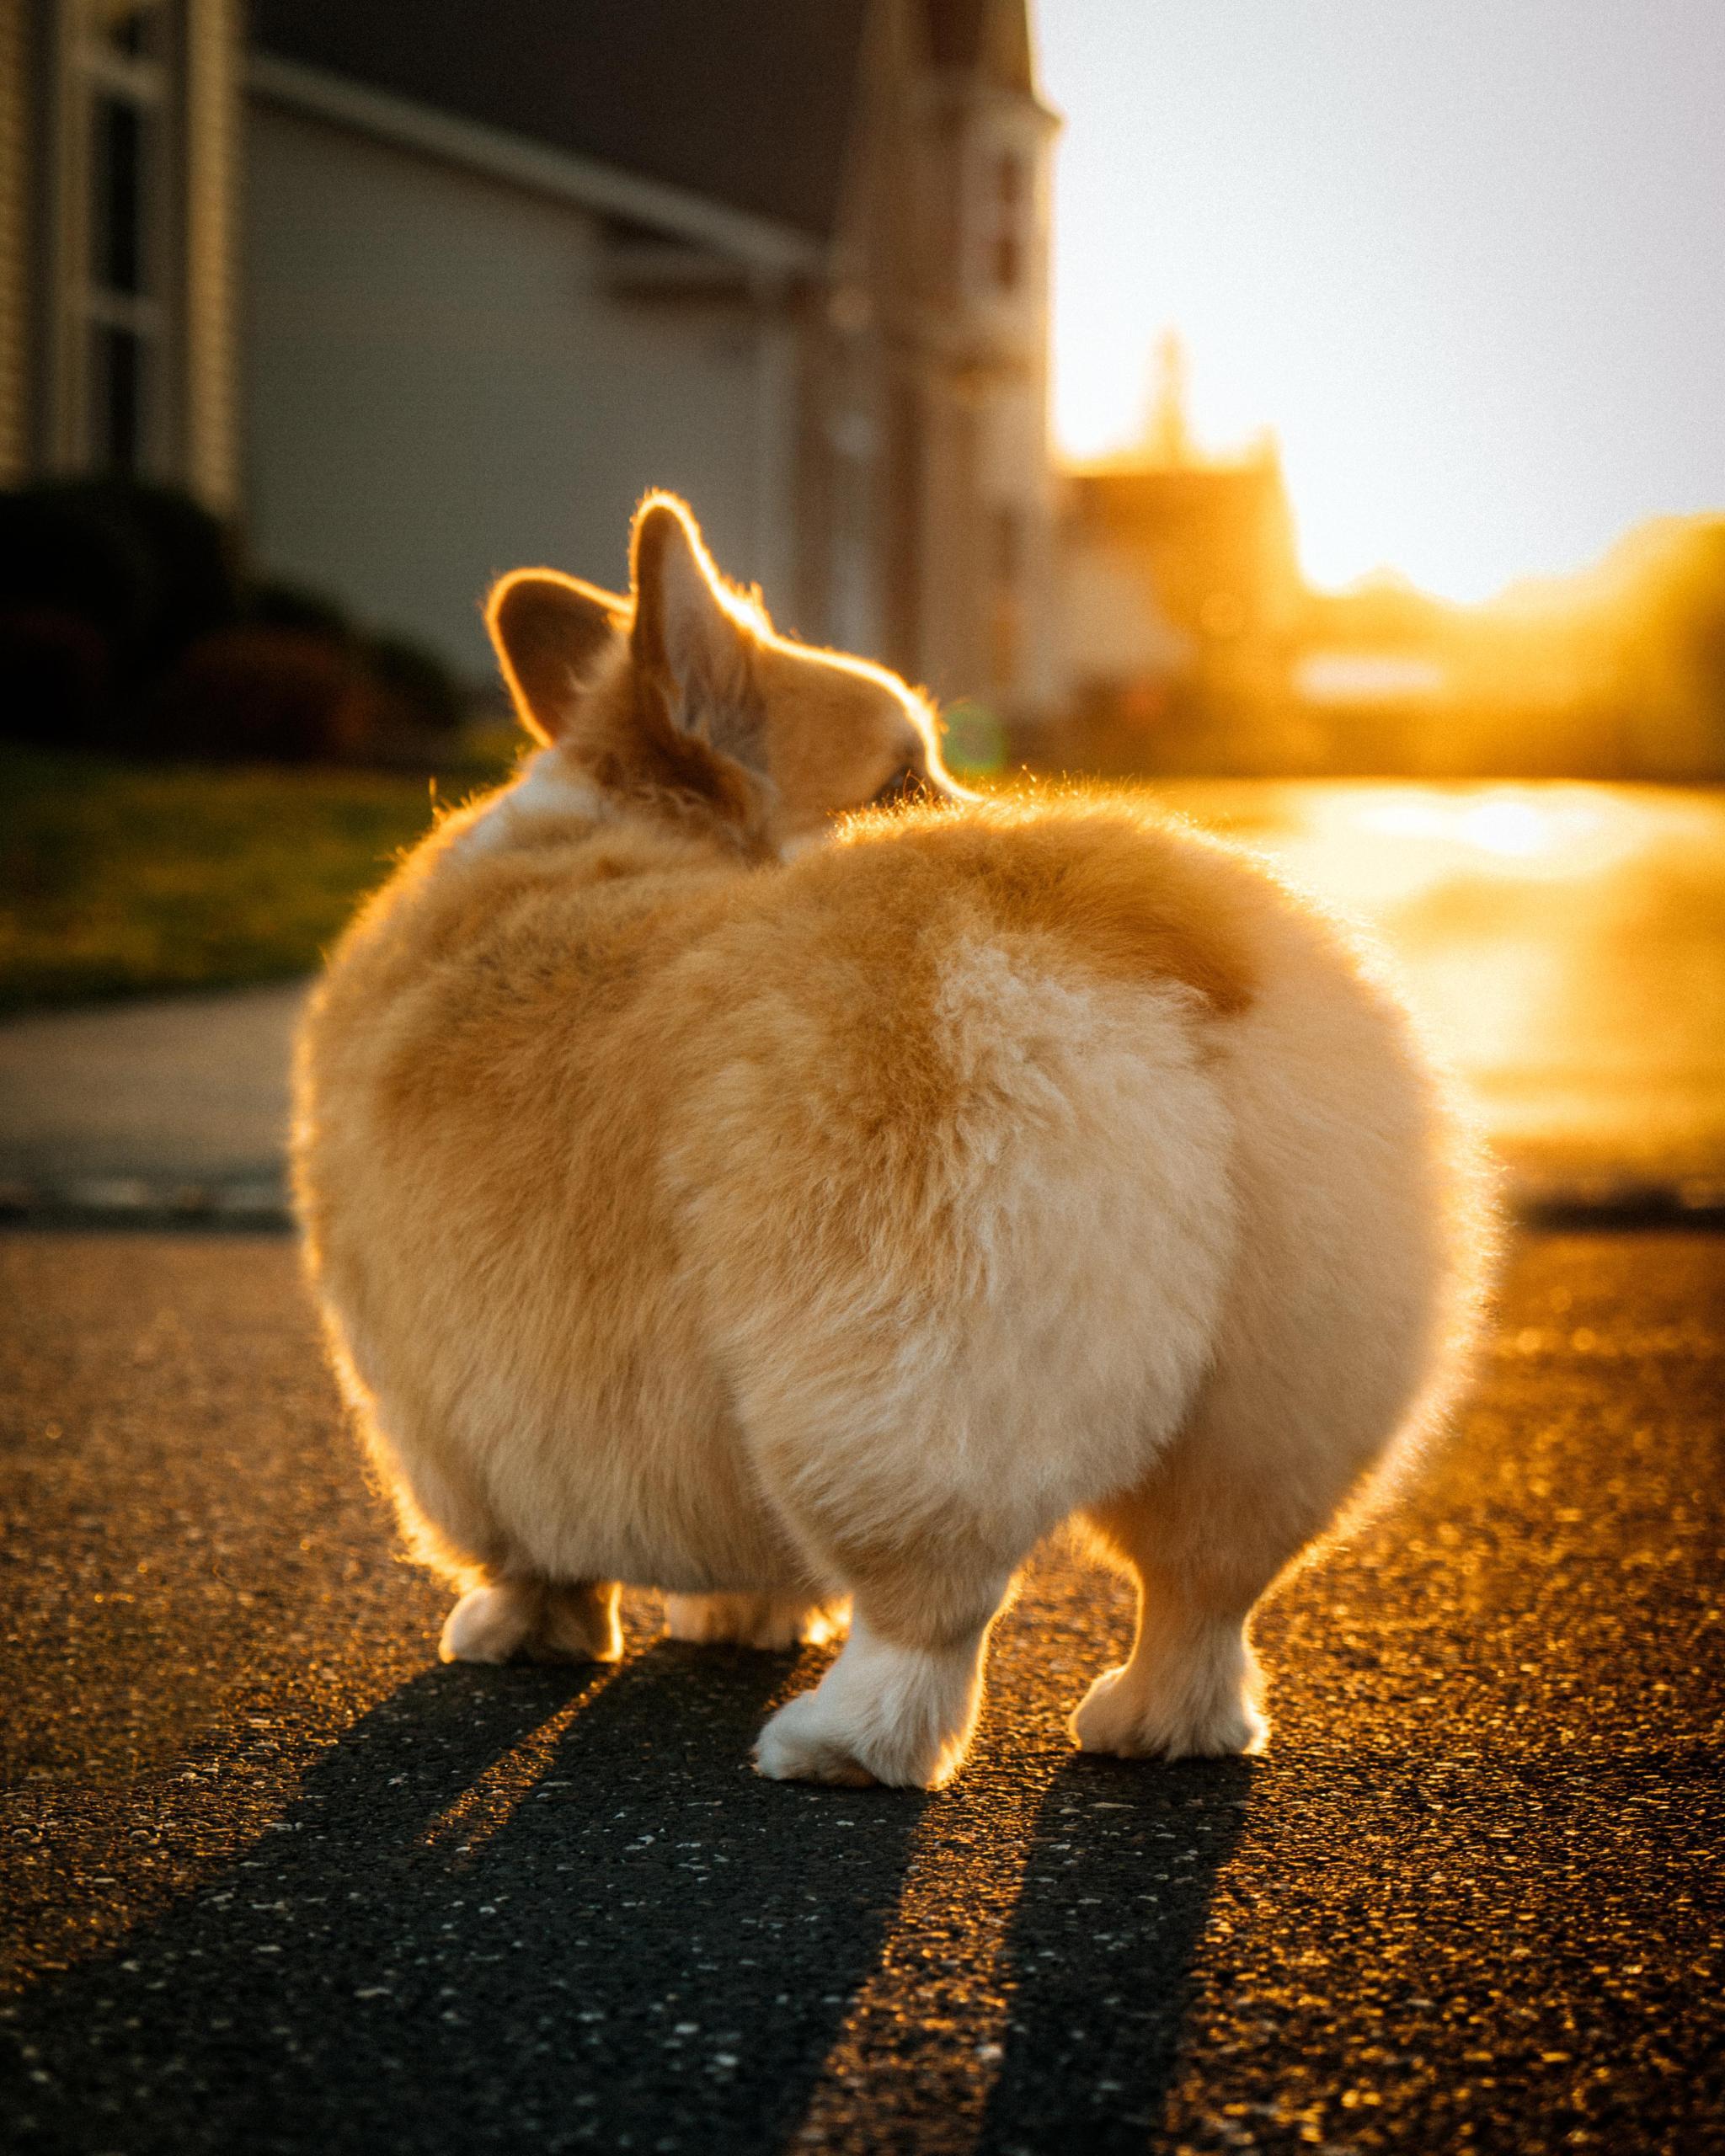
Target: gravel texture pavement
{"points": [[272, 1880]]}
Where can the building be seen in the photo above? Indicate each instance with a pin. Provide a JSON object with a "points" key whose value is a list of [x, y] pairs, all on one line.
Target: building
{"points": [[1181, 583], [422, 295], [119, 194]]}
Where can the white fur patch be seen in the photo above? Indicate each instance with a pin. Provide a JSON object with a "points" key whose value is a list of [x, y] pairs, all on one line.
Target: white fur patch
{"points": [[772, 1622], [882, 1713], [1053, 1291], [547, 787]]}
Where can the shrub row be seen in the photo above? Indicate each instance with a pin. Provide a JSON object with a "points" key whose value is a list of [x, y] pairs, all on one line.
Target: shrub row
{"points": [[129, 625]]}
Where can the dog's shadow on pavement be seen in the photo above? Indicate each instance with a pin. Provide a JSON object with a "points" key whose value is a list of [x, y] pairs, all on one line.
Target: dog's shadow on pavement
{"points": [[521, 1908], [1099, 1957], [541, 1909]]}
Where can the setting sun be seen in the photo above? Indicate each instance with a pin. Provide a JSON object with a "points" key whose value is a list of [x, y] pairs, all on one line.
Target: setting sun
{"points": [[1459, 259]]}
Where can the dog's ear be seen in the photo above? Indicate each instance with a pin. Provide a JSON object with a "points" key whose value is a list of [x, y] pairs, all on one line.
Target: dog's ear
{"points": [[551, 631], [693, 636]]}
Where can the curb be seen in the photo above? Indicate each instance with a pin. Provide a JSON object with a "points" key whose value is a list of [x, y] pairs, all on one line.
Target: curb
{"points": [[1602, 1204], [255, 1204], [259, 1204]]}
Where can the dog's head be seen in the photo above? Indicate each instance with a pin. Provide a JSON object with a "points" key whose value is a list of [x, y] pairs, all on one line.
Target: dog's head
{"points": [[683, 694]]}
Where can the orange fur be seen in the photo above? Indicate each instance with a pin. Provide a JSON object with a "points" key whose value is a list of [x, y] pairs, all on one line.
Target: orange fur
{"points": [[775, 1221]]}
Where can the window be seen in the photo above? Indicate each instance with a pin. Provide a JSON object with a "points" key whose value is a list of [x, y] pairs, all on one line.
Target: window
{"points": [[119, 110], [1006, 603], [1007, 263]]}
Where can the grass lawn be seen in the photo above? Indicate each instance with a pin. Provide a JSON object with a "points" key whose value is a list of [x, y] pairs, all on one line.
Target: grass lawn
{"points": [[119, 878]]}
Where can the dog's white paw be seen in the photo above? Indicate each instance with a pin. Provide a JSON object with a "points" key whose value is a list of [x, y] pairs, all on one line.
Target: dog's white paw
{"points": [[774, 1622], [488, 1623], [1194, 1717], [882, 1713], [800, 1744], [508, 1617]]}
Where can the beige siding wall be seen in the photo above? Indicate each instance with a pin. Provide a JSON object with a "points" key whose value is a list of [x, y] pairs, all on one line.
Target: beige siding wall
{"points": [[15, 216], [214, 31], [439, 387]]}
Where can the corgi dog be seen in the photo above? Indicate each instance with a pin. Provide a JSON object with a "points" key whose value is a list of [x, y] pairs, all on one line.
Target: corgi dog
{"points": [[735, 1161]]}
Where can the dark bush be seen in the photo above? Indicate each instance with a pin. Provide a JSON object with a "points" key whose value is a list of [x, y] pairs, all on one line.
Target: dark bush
{"points": [[125, 625], [414, 687], [146, 568], [257, 694], [63, 551], [193, 563], [58, 666], [291, 607], [76, 592]]}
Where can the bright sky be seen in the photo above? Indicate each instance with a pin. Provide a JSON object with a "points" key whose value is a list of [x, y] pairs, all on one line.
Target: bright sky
{"points": [[1467, 257]]}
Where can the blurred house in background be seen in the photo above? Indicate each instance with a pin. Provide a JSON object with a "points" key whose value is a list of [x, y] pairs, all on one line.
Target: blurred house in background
{"points": [[1191, 643], [422, 294], [118, 192], [1181, 597], [415, 295]]}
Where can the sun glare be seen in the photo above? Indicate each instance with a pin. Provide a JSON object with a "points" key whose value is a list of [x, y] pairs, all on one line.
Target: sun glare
{"points": [[1376, 849], [1357, 512], [1464, 275], [1512, 825], [1352, 524]]}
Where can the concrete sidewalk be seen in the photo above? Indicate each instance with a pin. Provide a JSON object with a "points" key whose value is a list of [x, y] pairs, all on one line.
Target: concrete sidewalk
{"points": [[175, 1111], [175, 1106]]}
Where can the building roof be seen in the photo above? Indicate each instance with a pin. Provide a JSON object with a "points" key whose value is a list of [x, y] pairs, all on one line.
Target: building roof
{"points": [[749, 103], [1217, 538], [984, 37], [1131, 498]]}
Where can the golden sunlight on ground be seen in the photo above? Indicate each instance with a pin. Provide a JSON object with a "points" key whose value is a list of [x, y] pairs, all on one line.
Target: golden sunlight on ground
{"points": [[1565, 945]]}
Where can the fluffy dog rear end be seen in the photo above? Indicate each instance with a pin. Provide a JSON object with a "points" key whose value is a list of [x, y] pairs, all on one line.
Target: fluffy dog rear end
{"points": [[712, 1188]]}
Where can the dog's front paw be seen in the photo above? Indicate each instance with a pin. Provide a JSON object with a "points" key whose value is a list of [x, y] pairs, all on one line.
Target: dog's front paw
{"points": [[1191, 1720], [774, 1622], [509, 1617], [488, 1623]]}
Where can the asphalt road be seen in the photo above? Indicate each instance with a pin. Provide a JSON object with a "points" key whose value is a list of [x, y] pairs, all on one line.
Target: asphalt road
{"points": [[275, 1882]]}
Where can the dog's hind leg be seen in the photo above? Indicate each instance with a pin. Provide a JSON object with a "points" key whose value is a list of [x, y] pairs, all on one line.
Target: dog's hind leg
{"points": [[1191, 1688], [535, 1620], [1333, 1354], [1242, 1488], [898, 1705], [774, 1622], [1313, 1385]]}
